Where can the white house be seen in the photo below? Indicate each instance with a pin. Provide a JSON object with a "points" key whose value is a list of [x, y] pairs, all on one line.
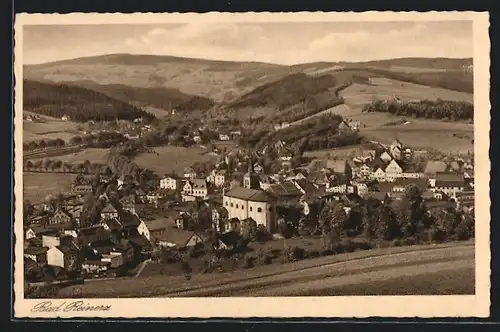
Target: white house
{"points": [[170, 183], [393, 171], [378, 175], [143, 230]]}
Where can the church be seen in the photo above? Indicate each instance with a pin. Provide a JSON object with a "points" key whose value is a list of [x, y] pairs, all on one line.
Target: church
{"points": [[250, 201]]}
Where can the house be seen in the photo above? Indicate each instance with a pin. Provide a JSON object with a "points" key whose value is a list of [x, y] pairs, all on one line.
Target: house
{"points": [[109, 211], [399, 186], [286, 157], [343, 127], [361, 188], [197, 139], [143, 229], [365, 171], [37, 254], [75, 211], [217, 178], [449, 183], [264, 181], [189, 173], [381, 196], [82, 189], [178, 239], [224, 137], [128, 203], [124, 180], [63, 257], [140, 195], [60, 220], [393, 171], [95, 266], [115, 259], [378, 175], [196, 188], [354, 125], [170, 182]]}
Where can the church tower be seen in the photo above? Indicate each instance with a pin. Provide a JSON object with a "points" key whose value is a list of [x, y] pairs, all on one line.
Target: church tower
{"points": [[251, 180]]}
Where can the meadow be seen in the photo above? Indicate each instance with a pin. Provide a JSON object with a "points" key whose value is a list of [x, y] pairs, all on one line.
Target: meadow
{"points": [[94, 155], [36, 186], [48, 128], [166, 159]]}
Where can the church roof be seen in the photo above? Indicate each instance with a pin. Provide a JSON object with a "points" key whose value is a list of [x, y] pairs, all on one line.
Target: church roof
{"points": [[254, 195]]}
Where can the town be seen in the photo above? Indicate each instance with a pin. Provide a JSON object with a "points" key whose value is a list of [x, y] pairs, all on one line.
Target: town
{"points": [[241, 212]]}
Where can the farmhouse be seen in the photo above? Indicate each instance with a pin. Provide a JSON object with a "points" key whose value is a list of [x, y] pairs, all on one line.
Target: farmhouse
{"points": [[393, 171], [109, 211], [196, 188], [37, 254], [62, 257]]}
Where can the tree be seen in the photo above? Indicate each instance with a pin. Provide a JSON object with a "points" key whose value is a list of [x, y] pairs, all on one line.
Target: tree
{"points": [[29, 165], [47, 164], [286, 229]]}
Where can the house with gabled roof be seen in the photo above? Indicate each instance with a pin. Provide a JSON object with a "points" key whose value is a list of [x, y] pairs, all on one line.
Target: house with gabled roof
{"points": [[109, 211], [449, 183], [393, 171]]}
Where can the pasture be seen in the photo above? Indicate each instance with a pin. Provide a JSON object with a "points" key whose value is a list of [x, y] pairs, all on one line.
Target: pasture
{"points": [[166, 159], [48, 128], [36, 186]]}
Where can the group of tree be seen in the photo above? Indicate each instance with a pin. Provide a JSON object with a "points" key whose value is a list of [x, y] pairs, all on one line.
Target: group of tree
{"points": [[43, 143], [99, 140], [56, 165], [320, 132], [80, 104], [408, 218], [439, 109]]}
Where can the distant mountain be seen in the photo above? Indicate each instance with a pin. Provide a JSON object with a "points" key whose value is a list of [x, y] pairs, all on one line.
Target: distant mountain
{"points": [[80, 104], [187, 82]]}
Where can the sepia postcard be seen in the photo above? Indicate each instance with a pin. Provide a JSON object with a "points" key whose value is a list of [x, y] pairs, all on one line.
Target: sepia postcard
{"points": [[227, 165]]}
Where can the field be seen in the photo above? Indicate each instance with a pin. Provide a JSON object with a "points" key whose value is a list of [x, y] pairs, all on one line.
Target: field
{"points": [[36, 186], [48, 127], [415, 260], [421, 133], [93, 155], [172, 158]]}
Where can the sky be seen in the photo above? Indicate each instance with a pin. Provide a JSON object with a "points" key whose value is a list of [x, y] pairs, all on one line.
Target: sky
{"points": [[285, 43]]}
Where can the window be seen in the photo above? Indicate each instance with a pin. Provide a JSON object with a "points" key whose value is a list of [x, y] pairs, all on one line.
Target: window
{"points": [[259, 209], [242, 207], [270, 209], [227, 203], [231, 204], [236, 205], [250, 209]]}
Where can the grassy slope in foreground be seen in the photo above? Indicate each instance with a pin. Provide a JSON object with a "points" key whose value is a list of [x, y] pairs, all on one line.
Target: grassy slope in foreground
{"points": [[160, 285]]}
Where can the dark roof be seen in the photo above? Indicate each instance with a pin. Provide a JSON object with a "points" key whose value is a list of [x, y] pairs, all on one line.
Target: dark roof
{"points": [[445, 179], [377, 163], [253, 195], [114, 224], [158, 224], [421, 183], [199, 184], [65, 250], [175, 236], [129, 220], [284, 189], [139, 240], [35, 250], [378, 195]]}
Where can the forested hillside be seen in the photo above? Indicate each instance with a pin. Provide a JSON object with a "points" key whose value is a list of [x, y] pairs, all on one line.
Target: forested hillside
{"points": [[80, 104]]}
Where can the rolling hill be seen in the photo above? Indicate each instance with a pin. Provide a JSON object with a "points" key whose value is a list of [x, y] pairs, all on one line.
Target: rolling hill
{"points": [[226, 81], [80, 104]]}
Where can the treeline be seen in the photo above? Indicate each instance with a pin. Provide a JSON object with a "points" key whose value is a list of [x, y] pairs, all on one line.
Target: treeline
{"points": [[320, 132], [99, 140], [80, 104], [439, 109], [43, 143], [452, 80], [58, 166]]}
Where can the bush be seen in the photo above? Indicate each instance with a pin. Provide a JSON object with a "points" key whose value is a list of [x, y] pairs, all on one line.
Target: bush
{"points": [[314, 254], [249, 262], [462, 232], [396, 243], [348, 245], [293, 254], [264, 258], [409, 241]]}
